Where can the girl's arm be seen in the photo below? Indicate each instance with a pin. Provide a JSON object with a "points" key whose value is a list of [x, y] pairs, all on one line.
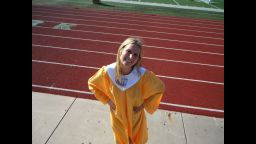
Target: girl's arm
{"points": [[98, 86], [111, 105], [139, 108], [153, 90]]}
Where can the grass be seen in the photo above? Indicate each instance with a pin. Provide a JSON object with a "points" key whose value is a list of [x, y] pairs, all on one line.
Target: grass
{"points": [[197, 3], [134, 8], [160, 1], [218, 3]]}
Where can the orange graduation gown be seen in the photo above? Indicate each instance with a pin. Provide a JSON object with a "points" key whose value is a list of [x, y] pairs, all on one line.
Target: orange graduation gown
{"points": [[145, 88]]}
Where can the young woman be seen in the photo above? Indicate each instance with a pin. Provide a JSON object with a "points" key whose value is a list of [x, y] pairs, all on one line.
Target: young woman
{"points": [[128, 88]]}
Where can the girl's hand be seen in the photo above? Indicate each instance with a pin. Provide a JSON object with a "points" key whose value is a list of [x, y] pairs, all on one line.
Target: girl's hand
{"points": [[139, 108], [111, 105]]}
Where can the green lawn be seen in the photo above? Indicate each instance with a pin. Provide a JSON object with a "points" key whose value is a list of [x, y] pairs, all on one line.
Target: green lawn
{"points": [[133, 8], [160, 1], [218, 3], [197, 3]]}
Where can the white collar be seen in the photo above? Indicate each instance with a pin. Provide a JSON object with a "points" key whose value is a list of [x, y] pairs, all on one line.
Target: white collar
{"points": [[131, 79]]}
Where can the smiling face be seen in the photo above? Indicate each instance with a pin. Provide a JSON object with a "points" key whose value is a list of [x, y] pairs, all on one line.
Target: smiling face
{"points": [[129, 55]]}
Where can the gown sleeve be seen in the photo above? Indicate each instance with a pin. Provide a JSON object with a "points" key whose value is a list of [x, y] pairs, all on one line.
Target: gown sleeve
{"points": [[153, 90], [98, 85]]}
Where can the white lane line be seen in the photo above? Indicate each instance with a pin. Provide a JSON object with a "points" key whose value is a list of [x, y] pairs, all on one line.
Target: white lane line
{"points": [[193, 63], [168, 77], [209, 23], [100, 52], [61, 89], [192, 107], [129, 29], [171, 40], [156, 47], [163, 103], [131, 20], [128, 24], [72, 49], [202, 81], [204, 52], [71, 65], [94, 16]]}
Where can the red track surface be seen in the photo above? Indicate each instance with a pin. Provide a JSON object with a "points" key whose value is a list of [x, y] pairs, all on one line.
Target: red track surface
{"points": [[187, 54]]}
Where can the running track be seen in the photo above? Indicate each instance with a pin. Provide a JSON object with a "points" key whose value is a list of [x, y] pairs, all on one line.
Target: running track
{"points": [[187, 54]]}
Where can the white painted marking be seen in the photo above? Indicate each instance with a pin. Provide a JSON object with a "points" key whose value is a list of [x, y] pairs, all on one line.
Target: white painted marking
{"points": [[170, 6], [204, 52], [168, 77], [193, 63], [129, 29], [139, 15], [127, 24], [71, 65], [158, 5], [163, 103], [61, 89], [194, 80], [171, 40], [72, 49], [172, 20], [149, 22], [192, 107], [157, 47], [100, 52]]}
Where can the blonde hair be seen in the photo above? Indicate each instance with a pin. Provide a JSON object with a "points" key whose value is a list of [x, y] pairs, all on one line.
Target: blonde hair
{"points": [[131, 40]]}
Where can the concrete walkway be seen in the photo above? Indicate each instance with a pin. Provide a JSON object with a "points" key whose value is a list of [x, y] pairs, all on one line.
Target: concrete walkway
{"points": [[166, 5], [68, 120]]}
